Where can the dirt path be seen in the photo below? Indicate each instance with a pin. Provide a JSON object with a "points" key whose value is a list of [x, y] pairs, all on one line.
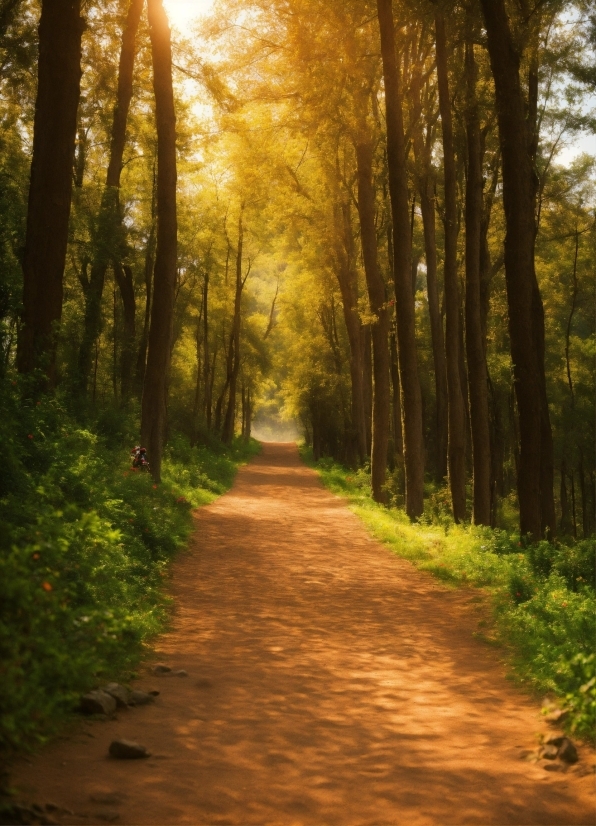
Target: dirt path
{"points": [[329, 683]]}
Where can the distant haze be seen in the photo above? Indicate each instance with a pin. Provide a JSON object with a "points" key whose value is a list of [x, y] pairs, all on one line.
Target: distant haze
{"points": [[269, 428]]}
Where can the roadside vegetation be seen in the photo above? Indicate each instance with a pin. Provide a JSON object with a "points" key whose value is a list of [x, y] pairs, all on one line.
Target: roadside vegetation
{"points": [[542, 595], [86, 545]]}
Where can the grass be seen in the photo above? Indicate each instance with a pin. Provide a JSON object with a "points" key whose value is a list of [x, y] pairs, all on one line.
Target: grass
{"points": [[542, 595], [85, 547]]}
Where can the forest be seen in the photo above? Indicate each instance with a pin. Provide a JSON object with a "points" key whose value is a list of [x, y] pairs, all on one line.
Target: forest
{"points": [[374, 221]]}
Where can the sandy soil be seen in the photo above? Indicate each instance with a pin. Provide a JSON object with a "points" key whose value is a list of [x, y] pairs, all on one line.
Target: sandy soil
{"points": [[329, 683]]}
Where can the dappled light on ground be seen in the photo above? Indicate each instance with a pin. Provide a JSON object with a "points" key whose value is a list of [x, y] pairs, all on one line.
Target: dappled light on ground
{"points": [[329, 683]]}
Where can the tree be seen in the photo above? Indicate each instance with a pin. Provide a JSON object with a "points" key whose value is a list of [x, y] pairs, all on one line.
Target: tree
{"points": [[59, 77], [398, 190], [455, 409], [108, 244], [475, 337], [154, 402], [526, 313]]}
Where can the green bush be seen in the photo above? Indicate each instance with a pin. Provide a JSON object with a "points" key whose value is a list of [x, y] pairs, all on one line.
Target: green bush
{"points": [[85, 542]]}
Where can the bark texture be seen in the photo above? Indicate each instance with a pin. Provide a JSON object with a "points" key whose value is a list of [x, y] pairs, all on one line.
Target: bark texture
{"points": [[153, 408], [455, 410], [402, 254], [526, 313], [380, 327], [109, 235], [475, 342], [233, 365], [50, 188]]}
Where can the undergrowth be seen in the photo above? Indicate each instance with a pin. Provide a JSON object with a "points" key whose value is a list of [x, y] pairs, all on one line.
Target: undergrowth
{"points": [[85, 544], [542, 594]]}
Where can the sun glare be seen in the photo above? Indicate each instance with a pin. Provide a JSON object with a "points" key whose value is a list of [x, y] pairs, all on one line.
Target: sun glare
{"points": [[181, 13]]}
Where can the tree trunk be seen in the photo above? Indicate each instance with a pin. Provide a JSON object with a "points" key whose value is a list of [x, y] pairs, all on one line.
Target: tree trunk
{"points": [[379, 328], [50, 188], [206, 377], [367, 383], [455, 410], [349, 295], [234, 351], [153, 407], [475, 343], [398, 191], [526, 314], [109, 231], [125, 281], [427, 208]]}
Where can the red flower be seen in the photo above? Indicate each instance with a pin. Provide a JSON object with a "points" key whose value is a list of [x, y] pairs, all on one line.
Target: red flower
{"points": [[35, 556], [46, 586], [29, 435], [154, 487]]}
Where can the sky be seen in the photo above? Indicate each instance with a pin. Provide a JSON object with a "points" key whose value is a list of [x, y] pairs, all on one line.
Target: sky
{"points": [[182, 13]]}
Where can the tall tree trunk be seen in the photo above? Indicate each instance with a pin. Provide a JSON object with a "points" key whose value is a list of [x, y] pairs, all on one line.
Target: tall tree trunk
{"points": [[398, 191], [234, 351], [380, 327], [475, 344], [455, 410], [396, 423], [206, 377], [125, 281], [526, 313], [153, 407], [427, 208], [346, 279], [149, 267], [50, 188], [109, 231], [367, 383]]}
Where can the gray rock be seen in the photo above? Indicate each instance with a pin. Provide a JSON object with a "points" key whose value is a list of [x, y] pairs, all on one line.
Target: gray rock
{"points": [[140, 698], [98, 702], [567, 751], [549, 752], [127, 750], [118, 692], [160, 668]]}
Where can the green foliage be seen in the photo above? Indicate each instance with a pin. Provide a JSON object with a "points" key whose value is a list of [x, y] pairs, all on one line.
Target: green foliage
{"points": [[542, 594], [86, 543]]}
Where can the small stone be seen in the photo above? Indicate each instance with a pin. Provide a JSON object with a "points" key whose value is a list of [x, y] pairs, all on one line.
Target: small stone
{"points": [[98, 702], [127, 750], [160, 668], [555, 739], [140, 698], [549, 752], [118, 692], [553, 767], [567, 751], [181, 673], [153, 693]]}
